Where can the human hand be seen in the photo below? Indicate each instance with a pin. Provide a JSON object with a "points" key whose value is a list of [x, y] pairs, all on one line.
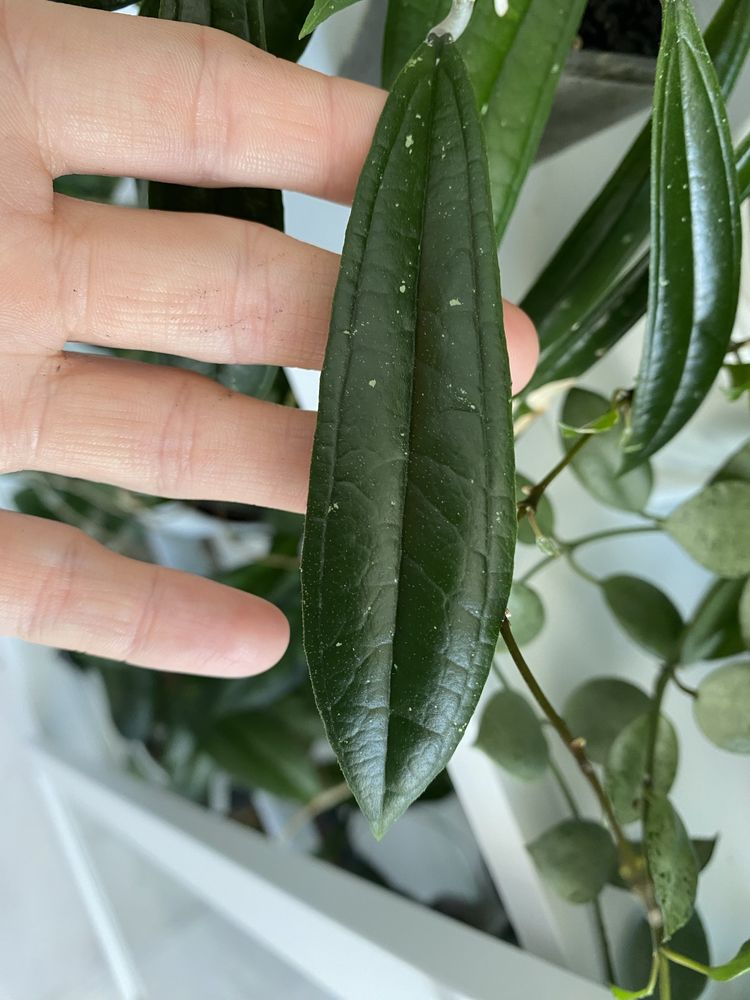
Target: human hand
{"points": [[93, 93]]}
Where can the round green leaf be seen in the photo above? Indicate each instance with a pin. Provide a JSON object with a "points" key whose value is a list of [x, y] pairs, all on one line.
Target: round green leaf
{"points": [[526, 613], [576, 858], [672, 864], [600, 709], [545, 514], [626, 765], [512, 736], [714, 629], [645, 613], [597, 465], [744, 614], [722, 708], [633, 969], [714, 528]]}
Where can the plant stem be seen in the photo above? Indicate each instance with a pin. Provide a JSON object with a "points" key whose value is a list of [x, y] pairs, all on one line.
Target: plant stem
{"points": [[631, 867], [601, 929], [684, 687], [665, 982], [577, 543], [535, 494]]}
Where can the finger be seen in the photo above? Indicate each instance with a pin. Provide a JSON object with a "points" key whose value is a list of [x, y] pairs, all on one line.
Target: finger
{"points": [[130, 96], [156, 430], [63, 589], [201, 286]]}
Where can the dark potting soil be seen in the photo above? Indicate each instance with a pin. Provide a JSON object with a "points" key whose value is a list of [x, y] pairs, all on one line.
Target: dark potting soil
{"points": [[631, 26]]}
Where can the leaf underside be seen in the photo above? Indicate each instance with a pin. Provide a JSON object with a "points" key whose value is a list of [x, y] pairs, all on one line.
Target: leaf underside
{"points": [[411, 521]]}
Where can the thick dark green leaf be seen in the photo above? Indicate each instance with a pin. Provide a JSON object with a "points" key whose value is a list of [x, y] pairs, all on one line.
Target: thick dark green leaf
{"points": [[545, 514], [689, 940], [695, 239], [671, 863], [600, 709], [321, 11], [284, 19], [645, 613], [597, 465], [626, 765], [743, 167], [594, 288], [512, 735], [722, 708], [86, 187], [514, 62], [713, 527], [576, 858], [411, 521], [713, 632], [526, 613]]}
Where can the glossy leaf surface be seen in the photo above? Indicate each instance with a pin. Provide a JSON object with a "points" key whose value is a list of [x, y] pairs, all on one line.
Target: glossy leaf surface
{"points": [[626, 765], [575, 858], [671, 863], [646, 613], [600, 709], [411, 521], [722, 708], [514, 62], [595, 286], [597, 465], [714, 527], [321, 11], [695, 239], [512, 736]]}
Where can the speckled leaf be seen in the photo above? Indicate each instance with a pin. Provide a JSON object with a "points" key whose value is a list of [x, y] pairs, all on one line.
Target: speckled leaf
{"points": [[600, 709], [514, 62], [722, 708], [575, 858], [646, 613], [714, 527], [512, 735], [695, 239], [671, 863], [411, 521], [626, 765], [597, 465]]}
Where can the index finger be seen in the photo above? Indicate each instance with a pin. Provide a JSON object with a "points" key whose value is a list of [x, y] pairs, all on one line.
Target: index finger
{"points": [[131, 96]]}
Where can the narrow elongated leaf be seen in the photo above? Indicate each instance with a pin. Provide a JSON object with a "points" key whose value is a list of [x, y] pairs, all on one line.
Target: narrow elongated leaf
{"points": [[646, 613], [411, 521], [512, 735], [600, 709], [689, 940], [514, 62], [626, 765], [713, 527], [671, 864], [321, 11], [594, 288], [576, 859], [526, 613], [695, 239], [713, 631], [722, 708], [284, 19], [98, 4], [743, 167], [597, 465]]}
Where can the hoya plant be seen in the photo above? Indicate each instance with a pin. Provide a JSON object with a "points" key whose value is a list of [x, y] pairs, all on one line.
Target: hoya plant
{"points": [[408, 595]]}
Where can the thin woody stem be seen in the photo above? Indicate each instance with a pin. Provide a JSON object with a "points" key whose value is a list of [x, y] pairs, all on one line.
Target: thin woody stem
{"points": [[535, 494]]}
